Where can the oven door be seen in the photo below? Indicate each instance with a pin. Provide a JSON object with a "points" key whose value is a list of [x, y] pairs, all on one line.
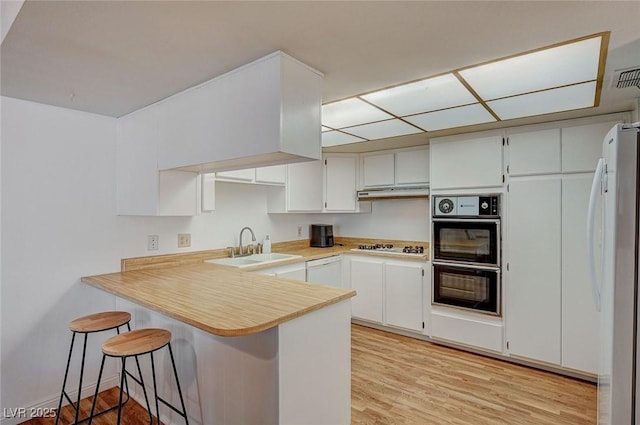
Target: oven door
{"points": [[467, 241], [470, 288]]}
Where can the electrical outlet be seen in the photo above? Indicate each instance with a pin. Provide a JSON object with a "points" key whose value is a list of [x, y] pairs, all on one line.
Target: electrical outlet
{"points": [[299, 231], [184, 240], [153, 242]]}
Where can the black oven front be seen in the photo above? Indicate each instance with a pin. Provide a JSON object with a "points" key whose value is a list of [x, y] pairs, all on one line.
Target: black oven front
{"points": [[467, 241], [469, 287]]}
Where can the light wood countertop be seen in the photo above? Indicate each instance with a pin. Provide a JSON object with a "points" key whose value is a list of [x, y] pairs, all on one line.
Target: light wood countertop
{"points": [[229, 301], [218, 300]]}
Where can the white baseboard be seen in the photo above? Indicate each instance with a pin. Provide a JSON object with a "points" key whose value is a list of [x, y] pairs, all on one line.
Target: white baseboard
{"points": [[16, 415]]}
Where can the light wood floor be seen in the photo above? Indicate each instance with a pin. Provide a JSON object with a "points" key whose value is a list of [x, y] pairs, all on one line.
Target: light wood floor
{"points": [[400, 380]]}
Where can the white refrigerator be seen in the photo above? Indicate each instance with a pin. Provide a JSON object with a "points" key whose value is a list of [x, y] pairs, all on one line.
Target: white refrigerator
{"points": [[614, 283]]}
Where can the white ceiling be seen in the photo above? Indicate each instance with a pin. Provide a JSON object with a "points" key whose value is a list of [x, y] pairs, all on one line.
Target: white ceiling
{"points": [[114, 57]]}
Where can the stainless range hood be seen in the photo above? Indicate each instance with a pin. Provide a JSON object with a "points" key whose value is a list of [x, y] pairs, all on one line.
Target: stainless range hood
{"points": [[393, 193]]}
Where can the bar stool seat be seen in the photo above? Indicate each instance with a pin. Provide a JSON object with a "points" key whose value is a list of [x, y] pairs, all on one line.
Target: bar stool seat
{"points": [[133, 344], [93, 323]]}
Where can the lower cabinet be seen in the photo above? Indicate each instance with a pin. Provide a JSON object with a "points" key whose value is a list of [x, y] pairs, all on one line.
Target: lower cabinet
{"points": [[367, 281], [389, 292]]}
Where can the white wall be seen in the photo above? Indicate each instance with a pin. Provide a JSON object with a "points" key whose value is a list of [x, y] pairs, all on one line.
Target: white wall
{"points": [[59, 223]]}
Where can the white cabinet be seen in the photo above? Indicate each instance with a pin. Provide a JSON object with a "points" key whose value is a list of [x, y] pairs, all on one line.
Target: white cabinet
{"points": [[140, 188], [403, 294], [274, 174], [319, 186], [582, 146], [378, 170], [367, 279], [412, 167], [340, 177], [536, 152], [467, 163], [400, 167], [304, 186], [580, 320], [262, 113], [533, 285]]}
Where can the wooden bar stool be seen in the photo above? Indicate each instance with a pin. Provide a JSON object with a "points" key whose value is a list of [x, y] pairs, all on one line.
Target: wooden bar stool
{"points": [[134, 344], [86, 325]]}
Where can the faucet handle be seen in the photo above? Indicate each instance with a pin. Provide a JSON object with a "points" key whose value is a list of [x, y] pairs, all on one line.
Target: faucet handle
{"points": [[250, 249], [232, 251]]}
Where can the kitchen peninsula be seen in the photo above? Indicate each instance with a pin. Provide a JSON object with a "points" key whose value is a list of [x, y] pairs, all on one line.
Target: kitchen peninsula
{"points": [[250, 348]]}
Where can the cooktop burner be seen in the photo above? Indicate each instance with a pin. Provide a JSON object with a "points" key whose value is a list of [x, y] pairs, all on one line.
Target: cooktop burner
{"points": [[389, 248]]}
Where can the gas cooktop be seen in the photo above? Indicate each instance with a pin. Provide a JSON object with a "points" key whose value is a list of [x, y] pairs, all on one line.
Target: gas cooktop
{"points": [[390, 249]]}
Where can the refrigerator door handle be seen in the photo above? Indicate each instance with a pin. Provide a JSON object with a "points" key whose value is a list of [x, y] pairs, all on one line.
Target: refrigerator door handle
{"points": [[591, 218]]}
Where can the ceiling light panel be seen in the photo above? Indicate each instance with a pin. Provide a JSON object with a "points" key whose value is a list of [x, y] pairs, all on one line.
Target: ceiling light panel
{"points": [[335, 138], [454, 117], [350, 112], [545, 102], [383, 129], [440, 92], [554, 67]]}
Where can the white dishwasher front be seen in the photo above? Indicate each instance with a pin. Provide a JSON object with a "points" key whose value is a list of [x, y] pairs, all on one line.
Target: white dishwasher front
{"points": [[325, 271]]}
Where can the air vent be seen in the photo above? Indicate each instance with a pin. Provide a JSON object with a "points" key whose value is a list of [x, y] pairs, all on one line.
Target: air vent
{"points": [[623, 78]]}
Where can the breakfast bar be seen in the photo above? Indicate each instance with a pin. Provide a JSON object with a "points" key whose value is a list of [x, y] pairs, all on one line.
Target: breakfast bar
{"points": [[250, 349]]}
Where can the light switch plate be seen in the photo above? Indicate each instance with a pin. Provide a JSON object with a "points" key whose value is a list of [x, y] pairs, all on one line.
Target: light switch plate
{"points": [[184, 240]]}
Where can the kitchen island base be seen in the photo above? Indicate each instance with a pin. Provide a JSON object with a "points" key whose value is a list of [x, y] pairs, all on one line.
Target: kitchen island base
{"points": [[297, 373]]}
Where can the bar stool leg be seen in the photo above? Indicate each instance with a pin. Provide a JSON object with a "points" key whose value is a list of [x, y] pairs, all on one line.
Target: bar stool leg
{"points": [[64, 381], [95, 396], [84, 353], [175, 373], [155, 386], [122, 375]]}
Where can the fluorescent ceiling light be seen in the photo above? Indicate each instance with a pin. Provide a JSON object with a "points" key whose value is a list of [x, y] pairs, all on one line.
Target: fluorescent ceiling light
{"points": [[431, 94], [383, 129], [454, 117], [334, 138], [350, 112], [554, 67], [545, 102]]}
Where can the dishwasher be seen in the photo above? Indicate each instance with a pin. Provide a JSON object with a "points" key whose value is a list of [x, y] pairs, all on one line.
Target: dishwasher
{"points": [[326, 271]]}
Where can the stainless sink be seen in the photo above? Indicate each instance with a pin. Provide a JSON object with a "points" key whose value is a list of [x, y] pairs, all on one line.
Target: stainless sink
{"points": [[253, 260]]}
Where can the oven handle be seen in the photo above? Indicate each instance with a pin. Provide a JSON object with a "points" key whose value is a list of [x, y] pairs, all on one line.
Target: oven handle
{"points": [[467, 266], [467, 220]]}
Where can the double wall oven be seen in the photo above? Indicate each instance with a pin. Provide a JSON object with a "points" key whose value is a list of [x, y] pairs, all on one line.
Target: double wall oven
{"points": [[466, 252]]}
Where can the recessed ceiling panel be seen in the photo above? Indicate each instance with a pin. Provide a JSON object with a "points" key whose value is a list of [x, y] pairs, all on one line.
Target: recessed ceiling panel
{"points": [[450, 118], [545, 102], [350, 112], [558, 66], [435, 93], [383, 129], [334, 138]]}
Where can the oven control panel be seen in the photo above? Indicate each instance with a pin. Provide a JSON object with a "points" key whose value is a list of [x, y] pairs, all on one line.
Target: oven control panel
{"points": [[466, 206]]}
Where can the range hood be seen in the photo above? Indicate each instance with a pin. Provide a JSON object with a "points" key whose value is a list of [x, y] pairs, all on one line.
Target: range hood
{"points": [[393, 193]]}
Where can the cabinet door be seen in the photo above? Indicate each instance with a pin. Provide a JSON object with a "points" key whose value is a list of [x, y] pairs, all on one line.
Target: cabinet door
{"points": [[246, 175], [582, 146], [340, 183], [304, 186], [580, 320], [403, 294], [533, 289], [412, 167], [470, 163], [275, 174], [366, 280], [378, 170], [536, 152]]}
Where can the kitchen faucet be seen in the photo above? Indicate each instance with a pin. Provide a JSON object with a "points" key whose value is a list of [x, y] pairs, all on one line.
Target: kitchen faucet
{"points": [[253, 238]]}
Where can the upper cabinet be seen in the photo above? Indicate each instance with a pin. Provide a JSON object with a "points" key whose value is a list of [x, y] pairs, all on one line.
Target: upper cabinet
{"points": [[582, 146], [466, 162], [274, 174], [264, 113], [405, 167], [536, 152], [140, 188]]}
